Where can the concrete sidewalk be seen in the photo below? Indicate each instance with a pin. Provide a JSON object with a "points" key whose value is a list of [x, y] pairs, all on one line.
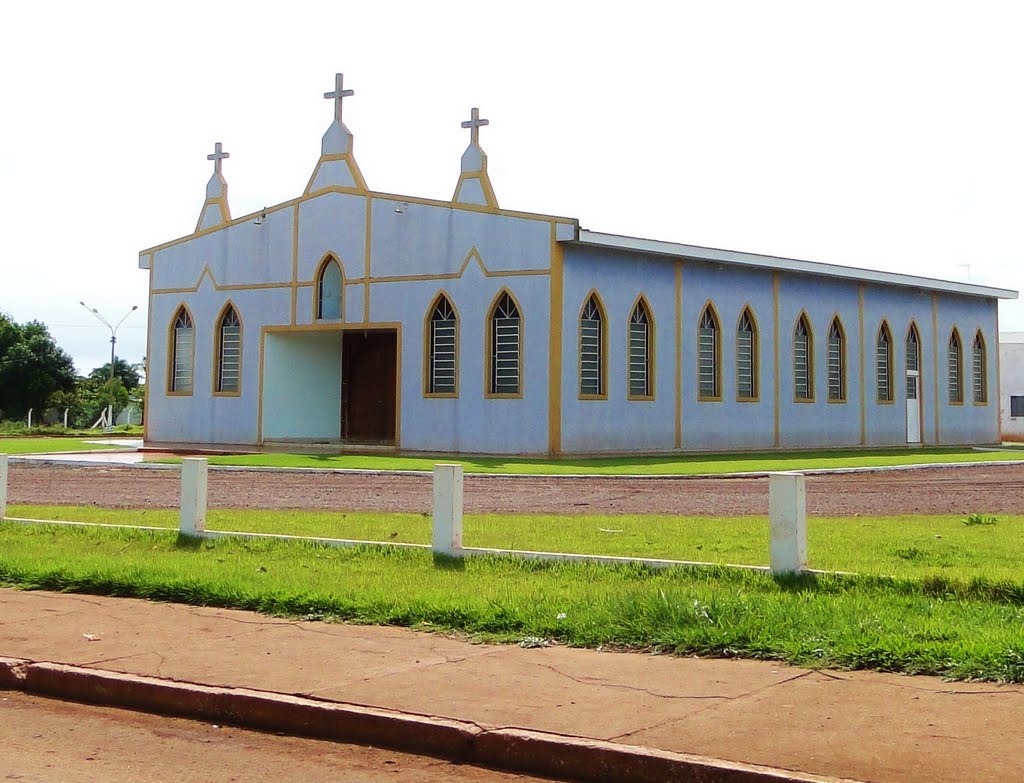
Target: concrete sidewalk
{"points": [[864, 726]]}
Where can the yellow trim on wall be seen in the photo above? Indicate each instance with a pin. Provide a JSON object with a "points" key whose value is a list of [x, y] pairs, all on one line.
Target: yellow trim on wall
{"points": [[169, 379], [603, 345], [679, 355], [353, 170], [295, 263], [217, 348], [777, 350], [935, 360], [863, 348], [488, 348], [367, 250], [206, 272], [717, 359], [652, 355], [755, 365], [555, 315], [427, 332]]}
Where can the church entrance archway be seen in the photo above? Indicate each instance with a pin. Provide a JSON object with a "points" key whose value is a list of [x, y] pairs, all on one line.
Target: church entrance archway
{"points": [[369, 388]]}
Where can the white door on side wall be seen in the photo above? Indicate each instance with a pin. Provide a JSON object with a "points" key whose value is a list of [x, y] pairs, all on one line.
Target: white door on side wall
{"points": [[913, 407]]}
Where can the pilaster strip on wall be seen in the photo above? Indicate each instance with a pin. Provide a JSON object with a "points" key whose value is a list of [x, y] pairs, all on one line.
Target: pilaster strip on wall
{"points": [[863, 361], [149, 353], [679, 354], [366, 262], [555, 346], [295, 262], [935, 361], [999, 375], [259, 404], [775, 352]]}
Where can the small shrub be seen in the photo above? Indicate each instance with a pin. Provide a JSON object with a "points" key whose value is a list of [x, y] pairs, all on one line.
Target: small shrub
{"points": [[980, 519]]}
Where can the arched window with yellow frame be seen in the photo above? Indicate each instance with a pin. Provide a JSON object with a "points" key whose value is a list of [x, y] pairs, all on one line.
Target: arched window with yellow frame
{"points": [[836, 360], [979, 370], [228, 361], [504, 343], [181, 359], [442, 348], [329, 289], [593, 341]]}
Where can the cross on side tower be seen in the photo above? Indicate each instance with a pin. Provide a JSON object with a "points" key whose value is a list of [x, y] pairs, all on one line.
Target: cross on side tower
{"points": [[474, 125], [339, 94], [217, 156]]}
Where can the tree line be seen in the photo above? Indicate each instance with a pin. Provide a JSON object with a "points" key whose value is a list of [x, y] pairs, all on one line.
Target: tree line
{"points": [[37, 374]]}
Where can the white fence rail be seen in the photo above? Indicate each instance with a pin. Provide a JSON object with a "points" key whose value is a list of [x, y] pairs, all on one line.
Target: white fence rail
{"points": [[786, 510]]}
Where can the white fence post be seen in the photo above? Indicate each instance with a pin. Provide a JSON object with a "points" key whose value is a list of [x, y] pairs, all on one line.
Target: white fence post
{"points": [[192, 521], [3, 486], [66, 417], [787, 515], [30, 418], [447, 538]]}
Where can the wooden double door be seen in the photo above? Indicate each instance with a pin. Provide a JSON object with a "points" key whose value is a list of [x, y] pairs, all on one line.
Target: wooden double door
{"points": [[369, 392]]}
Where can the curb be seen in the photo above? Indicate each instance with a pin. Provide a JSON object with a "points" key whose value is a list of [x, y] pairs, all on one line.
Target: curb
{"points": [[515, 750]]}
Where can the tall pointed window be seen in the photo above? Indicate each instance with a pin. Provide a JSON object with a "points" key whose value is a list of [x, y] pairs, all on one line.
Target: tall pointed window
{"points": [[836, 362], [883, 364], [640, 352], [505, 345], [709, 348], [803, 360], [182, 353], [328, 291], [913, 362], [592, 349], [955, 368], [746, 357], [979, 367], [229, 352], [442, 347]]}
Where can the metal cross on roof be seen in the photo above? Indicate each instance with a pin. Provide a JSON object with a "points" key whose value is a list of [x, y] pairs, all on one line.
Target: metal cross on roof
{"points": [[217, 156], [339, 94], [474, 125]]}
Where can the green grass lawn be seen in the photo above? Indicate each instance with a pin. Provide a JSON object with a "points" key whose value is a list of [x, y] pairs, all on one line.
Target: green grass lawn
{"points": [[46, 445], [934, 626], [668, 465], [904, 546]]}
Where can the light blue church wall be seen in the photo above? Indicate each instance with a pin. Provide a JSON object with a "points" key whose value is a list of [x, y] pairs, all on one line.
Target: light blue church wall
{"points": [[618, 423], [727, 423]]}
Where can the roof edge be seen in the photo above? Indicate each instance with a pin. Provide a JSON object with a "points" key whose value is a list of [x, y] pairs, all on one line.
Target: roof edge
{"points": [[697, 253]]}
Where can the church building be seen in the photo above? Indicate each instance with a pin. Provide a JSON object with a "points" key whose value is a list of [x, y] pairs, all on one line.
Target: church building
{"points": [[358, 318]]}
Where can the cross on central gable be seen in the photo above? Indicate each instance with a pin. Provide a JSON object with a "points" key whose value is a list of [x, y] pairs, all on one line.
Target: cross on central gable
{"points": [[217, 156], [339, 94], [474, 125]]}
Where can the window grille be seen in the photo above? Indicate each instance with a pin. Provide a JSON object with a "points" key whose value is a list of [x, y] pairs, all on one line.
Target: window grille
{"points": [[184, 347], [591, 350], [746, 357], [803, 380], [913, 348], [707, 355], [505, 331], [836, 362], [443, 327], [229, 352], [979, 381], [639, 354], [1017, 406], [954, 361], [883, 364]]}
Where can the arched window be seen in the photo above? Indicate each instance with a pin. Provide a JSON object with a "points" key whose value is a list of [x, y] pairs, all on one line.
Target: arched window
{"points": [[836, 362], [746, 357], [229, 352], [592, 349], [505, 347], [955, 368], [979, 367], [709, 348], [883, 364], [913, 361], [182, 353], [640, 352], [328, 291], [442, 348], [803, 360]]}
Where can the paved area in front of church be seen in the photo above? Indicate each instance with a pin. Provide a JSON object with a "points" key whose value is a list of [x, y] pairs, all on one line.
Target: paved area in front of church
{"points": [[861, 725]]}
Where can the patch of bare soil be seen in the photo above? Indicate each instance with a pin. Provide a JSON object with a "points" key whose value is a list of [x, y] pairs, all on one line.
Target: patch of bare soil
{"points": [[977, 489]]}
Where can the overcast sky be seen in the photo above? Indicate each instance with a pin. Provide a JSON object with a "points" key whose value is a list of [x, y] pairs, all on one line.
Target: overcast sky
{"points": [[885, 135]]}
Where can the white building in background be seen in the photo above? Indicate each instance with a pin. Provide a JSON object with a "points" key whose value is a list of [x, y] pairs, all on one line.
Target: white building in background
{"points": [[1011, 394]]}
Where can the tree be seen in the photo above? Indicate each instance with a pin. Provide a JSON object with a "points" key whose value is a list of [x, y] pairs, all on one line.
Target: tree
{"points": [[32, 367], [128, 373]]}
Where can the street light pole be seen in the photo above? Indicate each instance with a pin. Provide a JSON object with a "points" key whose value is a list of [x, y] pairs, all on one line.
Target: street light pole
{"points": [[113, 330]]}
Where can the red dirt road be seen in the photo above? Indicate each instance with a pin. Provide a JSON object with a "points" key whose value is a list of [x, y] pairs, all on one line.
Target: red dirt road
{"points": [[981, 489]]}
